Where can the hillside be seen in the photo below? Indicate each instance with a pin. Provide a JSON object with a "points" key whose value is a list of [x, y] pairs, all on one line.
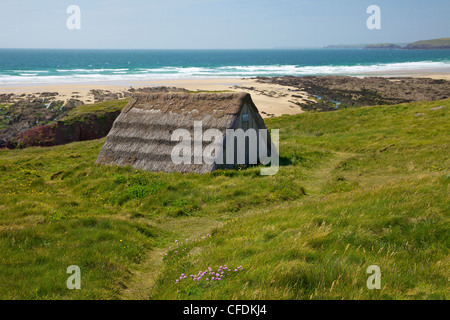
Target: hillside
{"points": [[357, 187], [442, 43]]}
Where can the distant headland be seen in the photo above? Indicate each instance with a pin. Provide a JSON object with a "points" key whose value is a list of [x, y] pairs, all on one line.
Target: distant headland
{"points": [[441, 43]]}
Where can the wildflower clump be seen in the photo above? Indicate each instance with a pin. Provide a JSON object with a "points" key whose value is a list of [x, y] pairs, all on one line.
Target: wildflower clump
{"points": [[210, 275]]}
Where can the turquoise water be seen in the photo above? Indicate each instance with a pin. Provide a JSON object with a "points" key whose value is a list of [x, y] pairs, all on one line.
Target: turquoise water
{"points": [[23, 66]]}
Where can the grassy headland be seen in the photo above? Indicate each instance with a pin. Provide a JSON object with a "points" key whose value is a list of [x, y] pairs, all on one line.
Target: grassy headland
{"points": [[357, 187], [441, 43]]}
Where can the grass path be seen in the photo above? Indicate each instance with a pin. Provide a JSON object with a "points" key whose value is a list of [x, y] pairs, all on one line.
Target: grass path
{"points": [[145, 273], [321, 176], [357, 187]]}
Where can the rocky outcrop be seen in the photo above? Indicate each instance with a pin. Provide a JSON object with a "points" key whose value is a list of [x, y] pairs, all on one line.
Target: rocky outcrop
{"points": [[42, 119], [18, 114], [88, 127], [106, 95], [336, 92]]}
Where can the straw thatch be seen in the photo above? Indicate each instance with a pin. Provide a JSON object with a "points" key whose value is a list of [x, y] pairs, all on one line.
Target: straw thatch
{"points": [[141, 135]]}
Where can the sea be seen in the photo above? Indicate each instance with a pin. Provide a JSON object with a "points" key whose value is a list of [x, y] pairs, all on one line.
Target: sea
{"points": [[31, 66]]}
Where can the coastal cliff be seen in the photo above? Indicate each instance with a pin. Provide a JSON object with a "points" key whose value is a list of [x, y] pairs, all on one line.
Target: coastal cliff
{"points": [[85, 122]]}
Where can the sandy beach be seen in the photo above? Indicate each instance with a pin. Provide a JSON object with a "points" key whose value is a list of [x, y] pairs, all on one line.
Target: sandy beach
{"points": [[271, 99]]}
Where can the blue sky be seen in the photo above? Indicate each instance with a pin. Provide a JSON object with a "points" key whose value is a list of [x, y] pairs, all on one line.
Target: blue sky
{"points": [[217, 24]]}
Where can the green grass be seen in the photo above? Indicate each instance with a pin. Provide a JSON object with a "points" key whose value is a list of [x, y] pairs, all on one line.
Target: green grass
{"points": [[357, 187], [98, 109]]}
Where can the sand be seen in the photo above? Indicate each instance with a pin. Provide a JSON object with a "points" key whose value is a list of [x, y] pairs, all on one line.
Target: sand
{"points": [[271, 99]]}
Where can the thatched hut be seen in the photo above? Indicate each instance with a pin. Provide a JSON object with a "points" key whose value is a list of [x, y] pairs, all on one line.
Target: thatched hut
{"points": [[142, 134]]}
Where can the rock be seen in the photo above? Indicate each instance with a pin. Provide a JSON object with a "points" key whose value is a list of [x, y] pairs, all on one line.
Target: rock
{"points": [[48, 94], [90, 127], [345, 91]]}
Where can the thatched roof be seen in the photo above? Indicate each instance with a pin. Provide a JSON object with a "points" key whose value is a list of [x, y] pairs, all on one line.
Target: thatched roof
{"points": [[141, 135]]}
